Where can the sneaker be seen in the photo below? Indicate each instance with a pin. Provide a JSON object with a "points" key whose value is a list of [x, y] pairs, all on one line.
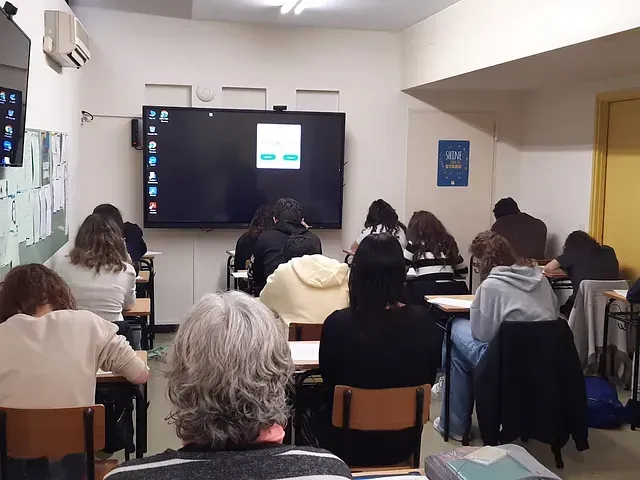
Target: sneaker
{"points": [[437, 389], [440, 430]]}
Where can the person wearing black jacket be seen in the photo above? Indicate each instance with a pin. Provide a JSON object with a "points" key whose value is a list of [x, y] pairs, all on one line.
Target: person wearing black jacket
{"points": [[267, 255], [526, 234], [529, 384]]}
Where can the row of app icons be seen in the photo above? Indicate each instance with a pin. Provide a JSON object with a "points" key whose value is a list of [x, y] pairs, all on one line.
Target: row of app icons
{"points": [[13, 98], [163, 117]]}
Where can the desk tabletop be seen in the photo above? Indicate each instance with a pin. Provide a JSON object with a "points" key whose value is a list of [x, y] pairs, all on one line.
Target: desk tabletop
{"points": [[231, 253], [143, 277], [451, 308], [150, 255], [240, 274], [142, 308], [110, 377], [391, 473], [616, 296], [555, 276], [305, 355], [348, 252]]}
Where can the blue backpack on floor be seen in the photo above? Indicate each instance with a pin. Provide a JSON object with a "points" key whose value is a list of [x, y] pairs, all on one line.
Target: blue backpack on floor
{"points": [[604, 410]]}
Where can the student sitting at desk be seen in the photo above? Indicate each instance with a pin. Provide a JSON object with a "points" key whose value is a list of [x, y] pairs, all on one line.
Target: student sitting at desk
{"points": [[382, 218], [436, 266], [261, 222], [583, 258], [98, 270], [308, 287], [512, 290], [49, 352], [526, 234], [289, 220], [378, 342], [131, 232]]}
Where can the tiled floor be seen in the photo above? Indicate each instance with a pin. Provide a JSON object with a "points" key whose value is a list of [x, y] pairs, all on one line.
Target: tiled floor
{"points": [[614, 454]]}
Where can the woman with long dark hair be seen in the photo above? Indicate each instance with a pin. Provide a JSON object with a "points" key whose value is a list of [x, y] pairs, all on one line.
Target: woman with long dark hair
{"points": [[261, 222], [512, 290], [370, 343], [99, 270], [583, 258], [382, 218], [436, 266]]}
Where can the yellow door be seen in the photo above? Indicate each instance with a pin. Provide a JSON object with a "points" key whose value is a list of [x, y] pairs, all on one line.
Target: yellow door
{"points": [[622, 204]]}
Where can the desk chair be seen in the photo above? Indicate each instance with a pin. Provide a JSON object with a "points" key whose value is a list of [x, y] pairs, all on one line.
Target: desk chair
{"points": [[388, 409], [150, 290], [307, 332], [54, 433]]}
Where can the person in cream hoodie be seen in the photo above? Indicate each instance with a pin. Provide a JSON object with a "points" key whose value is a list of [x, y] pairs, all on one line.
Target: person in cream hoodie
{"points": [[308, 287], [512, 290]]}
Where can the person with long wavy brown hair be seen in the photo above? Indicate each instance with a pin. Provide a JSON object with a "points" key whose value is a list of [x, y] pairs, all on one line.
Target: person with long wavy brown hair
{"points": [[436, 266], [512, 290], [98, 269]]}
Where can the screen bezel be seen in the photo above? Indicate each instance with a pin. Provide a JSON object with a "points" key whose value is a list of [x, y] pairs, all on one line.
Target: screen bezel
{"points": [[231, 226], [23, 123]]}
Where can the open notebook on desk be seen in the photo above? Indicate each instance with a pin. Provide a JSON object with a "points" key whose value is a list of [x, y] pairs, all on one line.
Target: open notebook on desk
{"points": [[305, 353], [451, 302], [622, 293]]}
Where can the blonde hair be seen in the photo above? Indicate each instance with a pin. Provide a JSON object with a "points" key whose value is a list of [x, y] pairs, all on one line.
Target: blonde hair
{"points": [[99, 245]]}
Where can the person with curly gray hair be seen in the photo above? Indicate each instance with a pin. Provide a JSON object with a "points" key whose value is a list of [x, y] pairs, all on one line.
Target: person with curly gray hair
{"points": [[228, 370]]}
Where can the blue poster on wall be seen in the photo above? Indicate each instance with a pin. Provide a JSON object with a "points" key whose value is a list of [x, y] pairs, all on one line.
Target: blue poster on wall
{"points": [[453, 163]]}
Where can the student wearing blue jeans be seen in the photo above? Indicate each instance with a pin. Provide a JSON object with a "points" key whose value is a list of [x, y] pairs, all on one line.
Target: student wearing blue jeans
{"points": [[513, 289]]}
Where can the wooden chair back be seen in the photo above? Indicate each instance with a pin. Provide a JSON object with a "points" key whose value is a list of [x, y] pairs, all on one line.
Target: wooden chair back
{"points": [[305, 332], [388, 409], [37, 433]]}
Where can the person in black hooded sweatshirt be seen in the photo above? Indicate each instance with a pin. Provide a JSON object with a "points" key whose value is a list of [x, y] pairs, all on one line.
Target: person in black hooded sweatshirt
{"points": [[267, 256]]}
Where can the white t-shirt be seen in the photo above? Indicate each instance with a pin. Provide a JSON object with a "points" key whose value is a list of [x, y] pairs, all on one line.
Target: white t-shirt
{"points": [[400, 235], [106, 294]]}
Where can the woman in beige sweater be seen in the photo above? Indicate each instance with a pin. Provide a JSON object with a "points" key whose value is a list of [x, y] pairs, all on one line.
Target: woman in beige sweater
{"points": [[49, 352]]}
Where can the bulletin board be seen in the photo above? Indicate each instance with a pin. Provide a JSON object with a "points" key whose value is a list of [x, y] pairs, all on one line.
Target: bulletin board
{"points": [[34, 201]]}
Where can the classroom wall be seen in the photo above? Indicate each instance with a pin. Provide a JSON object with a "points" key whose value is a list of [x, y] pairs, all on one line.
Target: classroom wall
{"points": [[53, 93], [138, 58], [557, 155], [476, 34]]}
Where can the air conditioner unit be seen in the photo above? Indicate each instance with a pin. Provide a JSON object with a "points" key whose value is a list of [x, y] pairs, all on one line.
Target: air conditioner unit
{"points": [[65, 39]]}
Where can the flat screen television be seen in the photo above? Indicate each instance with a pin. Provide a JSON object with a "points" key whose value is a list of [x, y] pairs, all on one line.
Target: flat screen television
{"points": [[15, 47], [212, 168]]}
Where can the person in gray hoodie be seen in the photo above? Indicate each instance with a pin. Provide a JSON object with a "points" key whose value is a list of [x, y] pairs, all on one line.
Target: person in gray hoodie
{"points": [[512, 290]]}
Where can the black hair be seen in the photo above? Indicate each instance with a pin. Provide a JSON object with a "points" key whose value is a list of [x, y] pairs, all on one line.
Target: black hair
{"points": [[299, 246], [287, 210], [579, 240], [381, 213], [378, 274], [505, 206], [112, 213], [262, 221]]}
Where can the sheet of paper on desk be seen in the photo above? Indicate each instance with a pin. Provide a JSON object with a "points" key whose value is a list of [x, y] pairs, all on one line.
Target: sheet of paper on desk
{"points": [[305, 351], [451, 302], [622, 293]]}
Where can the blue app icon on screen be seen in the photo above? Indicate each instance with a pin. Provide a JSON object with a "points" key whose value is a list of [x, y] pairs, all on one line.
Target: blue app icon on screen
{"points": [[152, 114], [12, 97], [10, 113], [3, 96], [7, 145], [152, 161], [153, 191]]}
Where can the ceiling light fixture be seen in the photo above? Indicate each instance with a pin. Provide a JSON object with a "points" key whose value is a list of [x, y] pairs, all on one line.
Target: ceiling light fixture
{"points": [[288, 6], [300, 8]]}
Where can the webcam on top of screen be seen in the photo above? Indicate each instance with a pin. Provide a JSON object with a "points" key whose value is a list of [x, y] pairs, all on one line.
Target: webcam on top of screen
{"points": [[280, 108], [9, 9]]}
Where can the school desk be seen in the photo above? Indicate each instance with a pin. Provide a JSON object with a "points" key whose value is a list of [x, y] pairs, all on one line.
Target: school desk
{"points": [[305, 355], [231, 258], [139, 314], [451, 312], [139, 392], [148, 272]]}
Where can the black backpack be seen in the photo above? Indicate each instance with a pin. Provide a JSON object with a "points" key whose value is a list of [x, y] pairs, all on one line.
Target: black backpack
{"points": [[118, 409]]}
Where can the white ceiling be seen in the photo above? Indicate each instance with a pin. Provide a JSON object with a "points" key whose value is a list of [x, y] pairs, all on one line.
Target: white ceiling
{"points": [[350, 14]]}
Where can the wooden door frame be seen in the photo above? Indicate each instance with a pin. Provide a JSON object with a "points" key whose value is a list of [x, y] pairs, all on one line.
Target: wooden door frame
{"points": [[599, 169]]}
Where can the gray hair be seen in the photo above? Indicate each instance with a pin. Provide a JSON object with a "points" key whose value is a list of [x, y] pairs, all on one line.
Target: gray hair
{"points": [[229, 367]]}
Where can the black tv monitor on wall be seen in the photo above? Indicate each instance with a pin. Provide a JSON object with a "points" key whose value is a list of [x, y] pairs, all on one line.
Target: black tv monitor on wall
{"points": [[15, 48], [212, 168]]}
